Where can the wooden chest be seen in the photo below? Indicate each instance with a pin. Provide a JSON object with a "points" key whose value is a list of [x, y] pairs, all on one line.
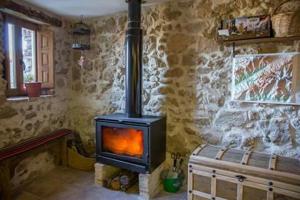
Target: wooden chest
{"points": [[219, 173]]}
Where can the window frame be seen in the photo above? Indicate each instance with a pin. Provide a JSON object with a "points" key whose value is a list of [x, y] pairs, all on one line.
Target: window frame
{"points": [[18, 24]]}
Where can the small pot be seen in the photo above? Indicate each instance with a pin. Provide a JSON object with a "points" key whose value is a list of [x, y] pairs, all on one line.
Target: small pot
{"points": [[33, 89]]}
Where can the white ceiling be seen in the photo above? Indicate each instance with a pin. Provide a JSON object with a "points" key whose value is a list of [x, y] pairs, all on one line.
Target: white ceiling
{"points": [[87, 8]]}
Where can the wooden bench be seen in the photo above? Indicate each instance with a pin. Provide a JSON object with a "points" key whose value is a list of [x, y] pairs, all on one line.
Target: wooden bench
{"points": [[7, 154]]}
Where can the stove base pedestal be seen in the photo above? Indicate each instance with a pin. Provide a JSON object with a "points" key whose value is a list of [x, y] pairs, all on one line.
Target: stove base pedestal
{"points": [[149, 184], [104, 171]]}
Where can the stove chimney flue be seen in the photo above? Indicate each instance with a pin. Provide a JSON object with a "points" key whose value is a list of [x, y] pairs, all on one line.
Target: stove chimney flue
{"points": [[133, 57]]}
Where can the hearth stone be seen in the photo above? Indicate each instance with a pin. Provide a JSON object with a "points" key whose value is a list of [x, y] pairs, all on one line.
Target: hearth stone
{"points": [[149, 184]]}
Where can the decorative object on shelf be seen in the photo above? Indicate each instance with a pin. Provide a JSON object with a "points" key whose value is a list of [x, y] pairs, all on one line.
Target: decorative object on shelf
{"points": [[286, 23], [245, 28], [81, 38], [33, 89], [267, 78]]}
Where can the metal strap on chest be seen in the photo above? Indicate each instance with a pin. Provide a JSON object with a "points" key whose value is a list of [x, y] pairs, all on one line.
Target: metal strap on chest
{"points": [[272, 162], [220, 153], [198, 149], [246, 157]]}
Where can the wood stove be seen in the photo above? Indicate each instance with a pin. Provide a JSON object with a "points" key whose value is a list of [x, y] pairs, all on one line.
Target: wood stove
{"points": [[137, 144], [131, 140]]}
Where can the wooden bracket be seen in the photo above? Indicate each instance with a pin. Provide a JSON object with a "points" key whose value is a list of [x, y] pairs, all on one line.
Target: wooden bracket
{"points": [[197, 151], [246, 157], [272, 162], [30, 12], [220, 153]]}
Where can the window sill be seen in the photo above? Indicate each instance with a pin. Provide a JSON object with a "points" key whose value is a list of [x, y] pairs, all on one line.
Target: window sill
{"points": [[27, 99]]}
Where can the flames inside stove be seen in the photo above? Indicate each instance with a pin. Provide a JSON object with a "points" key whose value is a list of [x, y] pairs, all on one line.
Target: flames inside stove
{"points": [[123, 141]]}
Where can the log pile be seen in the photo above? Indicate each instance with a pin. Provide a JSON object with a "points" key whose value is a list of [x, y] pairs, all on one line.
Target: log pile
{"points": [[121, 181]]}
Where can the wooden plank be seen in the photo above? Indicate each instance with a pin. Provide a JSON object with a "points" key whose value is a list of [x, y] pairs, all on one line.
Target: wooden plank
{"points": [[221, 153], [198, 149], [246, 157], [213, 186], [239, 192], [261, 40], [233, 155], [31, 13], [190, 184], [32, 144], [205, 195], [272, 163], [288, 193], [231, 176], [201, 194], [202, 173], [45, 59], [286, 164], [277, 175], [270, 195]]}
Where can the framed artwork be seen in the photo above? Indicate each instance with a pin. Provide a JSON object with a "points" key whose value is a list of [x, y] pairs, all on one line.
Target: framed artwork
{"points": [[267, 78]]}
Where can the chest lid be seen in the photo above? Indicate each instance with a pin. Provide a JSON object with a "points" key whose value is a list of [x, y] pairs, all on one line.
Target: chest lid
{"points": [[248, 162]]}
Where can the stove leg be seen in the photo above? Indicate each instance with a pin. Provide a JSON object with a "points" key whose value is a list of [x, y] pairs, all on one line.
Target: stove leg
{"points": [[150, 184]]}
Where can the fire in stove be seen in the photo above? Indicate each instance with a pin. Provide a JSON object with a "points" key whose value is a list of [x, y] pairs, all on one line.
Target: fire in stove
{"points": [[123, 141]]}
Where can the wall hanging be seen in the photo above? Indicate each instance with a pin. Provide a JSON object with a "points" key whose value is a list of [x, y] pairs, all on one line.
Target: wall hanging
{"points": [[267, 78]]}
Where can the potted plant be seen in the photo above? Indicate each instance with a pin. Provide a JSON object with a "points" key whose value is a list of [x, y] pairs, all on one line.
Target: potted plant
{"points": [[33, 88]]}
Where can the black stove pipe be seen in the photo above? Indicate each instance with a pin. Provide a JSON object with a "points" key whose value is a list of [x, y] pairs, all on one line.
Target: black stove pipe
{"points": [[133, 57]]}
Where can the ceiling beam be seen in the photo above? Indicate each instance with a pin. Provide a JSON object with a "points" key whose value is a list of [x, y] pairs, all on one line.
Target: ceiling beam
{"points": [[30, 12]]}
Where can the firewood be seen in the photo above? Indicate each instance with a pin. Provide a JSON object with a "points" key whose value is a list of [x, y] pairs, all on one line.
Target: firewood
{"points": [[127, 180], [115, 183], [121, 181]]}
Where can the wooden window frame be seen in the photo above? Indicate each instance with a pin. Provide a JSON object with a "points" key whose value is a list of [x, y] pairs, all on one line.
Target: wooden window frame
{"points": [[19, 24]]}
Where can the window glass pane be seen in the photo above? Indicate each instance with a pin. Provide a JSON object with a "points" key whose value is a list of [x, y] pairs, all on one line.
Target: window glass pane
{"points": [[29, 58], [12, 56]]}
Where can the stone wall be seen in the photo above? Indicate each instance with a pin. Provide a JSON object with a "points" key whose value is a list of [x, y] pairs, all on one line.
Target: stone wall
{"points": [[25, 119], [187, 76]]}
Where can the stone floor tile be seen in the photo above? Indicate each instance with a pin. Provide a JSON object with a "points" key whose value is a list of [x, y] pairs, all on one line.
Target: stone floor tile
{"points": [[64, 183], [169, 196], [45, 187], [71, 176]]}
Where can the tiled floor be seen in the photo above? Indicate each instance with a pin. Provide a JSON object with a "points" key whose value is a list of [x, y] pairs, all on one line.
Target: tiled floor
{"points": [[65, 183]]}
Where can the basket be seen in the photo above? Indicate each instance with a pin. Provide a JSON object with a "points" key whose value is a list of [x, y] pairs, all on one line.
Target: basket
{"points": [[77, 161], [286, 24]]}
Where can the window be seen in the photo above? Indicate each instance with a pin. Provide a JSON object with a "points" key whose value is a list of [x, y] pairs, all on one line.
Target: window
{"points": [[29, 55]]}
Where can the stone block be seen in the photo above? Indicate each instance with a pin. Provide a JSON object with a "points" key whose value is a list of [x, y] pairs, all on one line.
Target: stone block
{"points": [[7, 112], [104, 171], [150, 184]]}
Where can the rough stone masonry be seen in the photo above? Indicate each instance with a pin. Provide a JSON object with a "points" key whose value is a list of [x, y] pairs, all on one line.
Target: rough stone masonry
{"points": [[187, 76]]}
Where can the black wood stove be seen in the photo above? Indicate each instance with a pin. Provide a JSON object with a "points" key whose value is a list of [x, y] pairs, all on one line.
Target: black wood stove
{"points": [[130, 140]]}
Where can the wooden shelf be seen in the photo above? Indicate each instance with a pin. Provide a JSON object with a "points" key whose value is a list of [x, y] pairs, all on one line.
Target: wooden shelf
{"points": [[260, 40]]}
